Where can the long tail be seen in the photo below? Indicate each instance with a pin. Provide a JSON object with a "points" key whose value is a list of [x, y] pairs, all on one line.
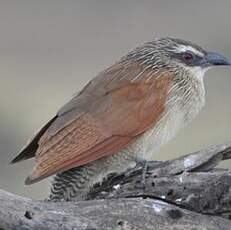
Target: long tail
{"points": [[29, 150]]}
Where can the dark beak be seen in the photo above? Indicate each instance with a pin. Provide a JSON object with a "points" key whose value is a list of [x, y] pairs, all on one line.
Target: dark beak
{"points": [[213, 58]]}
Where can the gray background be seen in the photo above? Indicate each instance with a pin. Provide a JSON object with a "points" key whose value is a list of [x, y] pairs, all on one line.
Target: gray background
{"points": [[50, 48]]}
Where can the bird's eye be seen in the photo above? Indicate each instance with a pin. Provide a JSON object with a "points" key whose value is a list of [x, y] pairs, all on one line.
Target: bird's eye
{"points": [[188, 56]]}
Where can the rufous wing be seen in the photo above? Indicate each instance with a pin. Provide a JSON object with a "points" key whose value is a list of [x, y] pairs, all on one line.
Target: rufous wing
{"points": [[107, 115]]}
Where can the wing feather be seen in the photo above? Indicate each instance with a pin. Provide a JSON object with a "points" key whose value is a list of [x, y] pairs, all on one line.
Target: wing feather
{"points": [[108, 114]]}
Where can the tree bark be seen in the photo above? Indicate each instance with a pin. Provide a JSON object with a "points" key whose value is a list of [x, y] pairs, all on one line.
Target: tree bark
{"points": [[185, 193]]}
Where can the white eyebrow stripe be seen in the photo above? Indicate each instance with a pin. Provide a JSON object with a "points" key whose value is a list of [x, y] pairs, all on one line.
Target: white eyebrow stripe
{"points": [[183, 48]]}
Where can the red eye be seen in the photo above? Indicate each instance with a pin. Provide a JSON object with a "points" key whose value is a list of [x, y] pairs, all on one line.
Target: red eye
{"points": [[187, 56]]}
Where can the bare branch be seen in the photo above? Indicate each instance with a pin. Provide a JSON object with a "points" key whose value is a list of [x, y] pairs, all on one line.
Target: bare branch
{"points": [[177, 195], [20, 213]]}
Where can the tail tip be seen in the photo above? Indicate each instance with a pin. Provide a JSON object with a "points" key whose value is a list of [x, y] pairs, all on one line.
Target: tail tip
{"points": [[29, 180], [14, 160]]}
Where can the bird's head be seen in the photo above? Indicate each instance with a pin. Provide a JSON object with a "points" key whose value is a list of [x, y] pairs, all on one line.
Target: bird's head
{"points": [[177, 55]]}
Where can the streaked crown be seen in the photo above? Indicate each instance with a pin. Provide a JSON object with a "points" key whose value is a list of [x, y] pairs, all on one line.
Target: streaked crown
{"points": [[173, 53]]}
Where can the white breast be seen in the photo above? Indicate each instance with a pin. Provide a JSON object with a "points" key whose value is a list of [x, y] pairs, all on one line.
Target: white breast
{"points": [[159, 134], [181, 108]]}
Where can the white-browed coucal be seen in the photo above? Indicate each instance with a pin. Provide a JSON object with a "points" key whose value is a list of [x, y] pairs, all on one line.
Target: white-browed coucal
{"points": [[123, 115]]}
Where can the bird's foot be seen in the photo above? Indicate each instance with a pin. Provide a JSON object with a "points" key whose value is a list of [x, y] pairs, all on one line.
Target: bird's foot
{"points": [[140, 165], [144, 173]]}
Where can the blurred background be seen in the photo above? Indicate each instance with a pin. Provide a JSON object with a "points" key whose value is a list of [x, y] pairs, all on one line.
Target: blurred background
{"points": [[49, 49]]}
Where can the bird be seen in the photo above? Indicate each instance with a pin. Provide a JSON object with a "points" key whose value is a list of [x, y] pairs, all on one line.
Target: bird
{"points": [[121, 117]]}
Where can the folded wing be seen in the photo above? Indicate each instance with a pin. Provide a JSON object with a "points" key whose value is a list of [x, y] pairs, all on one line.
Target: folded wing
{"points": [[107, 115]]}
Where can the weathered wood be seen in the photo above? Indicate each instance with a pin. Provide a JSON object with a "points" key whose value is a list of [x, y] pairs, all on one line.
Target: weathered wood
{"points": [[176, 195], [17, 213], [207, 193], [189, 181]]}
